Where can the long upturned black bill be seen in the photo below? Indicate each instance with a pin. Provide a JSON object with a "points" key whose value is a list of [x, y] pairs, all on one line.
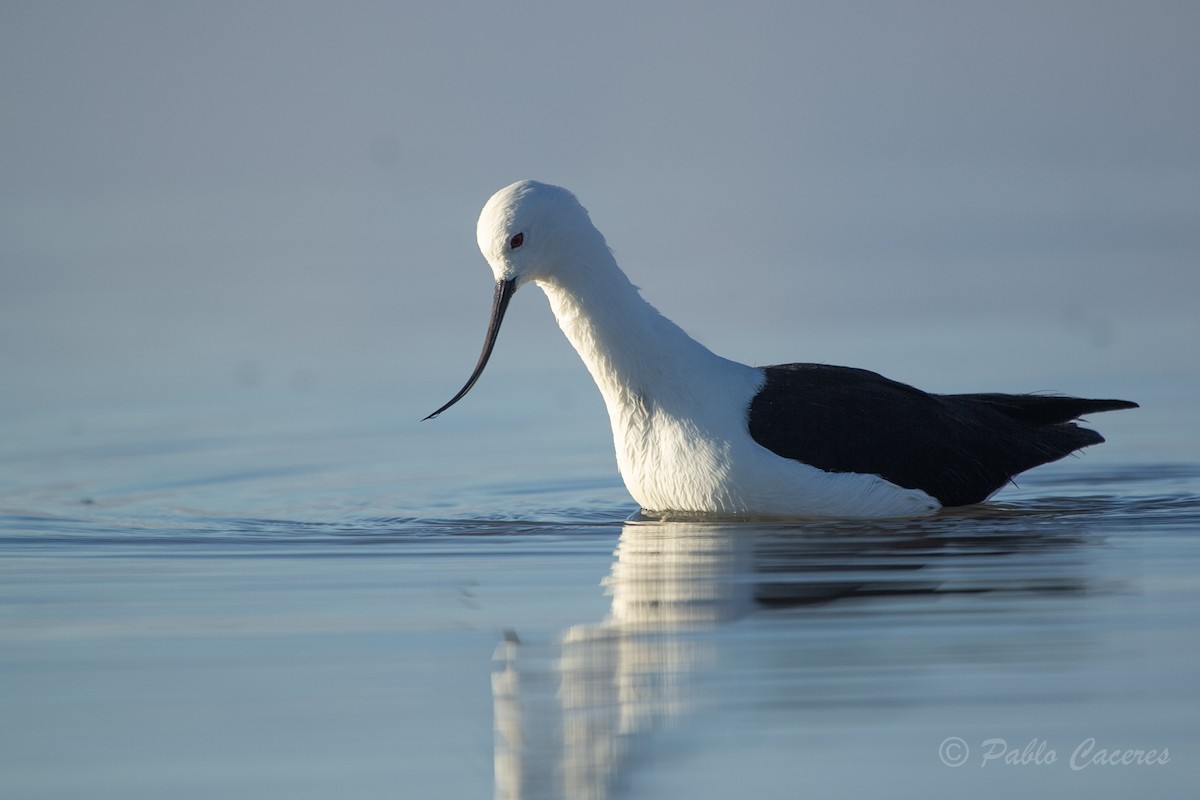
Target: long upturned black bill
{"points": [[504, 293]]}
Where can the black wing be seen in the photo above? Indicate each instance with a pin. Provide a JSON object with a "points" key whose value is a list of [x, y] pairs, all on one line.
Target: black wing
{"points": [[958, 448]]}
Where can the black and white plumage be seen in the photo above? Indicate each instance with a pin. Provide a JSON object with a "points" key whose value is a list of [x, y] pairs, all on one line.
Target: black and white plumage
{"points": [[700, 434], [958, 448]]}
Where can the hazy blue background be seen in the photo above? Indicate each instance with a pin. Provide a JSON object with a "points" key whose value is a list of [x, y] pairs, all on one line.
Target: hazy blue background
{"points": [[961, 195]]}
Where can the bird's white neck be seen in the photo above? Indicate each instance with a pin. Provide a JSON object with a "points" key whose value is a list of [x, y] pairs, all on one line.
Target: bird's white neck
{"points": [[670, 400], [634, 353]]}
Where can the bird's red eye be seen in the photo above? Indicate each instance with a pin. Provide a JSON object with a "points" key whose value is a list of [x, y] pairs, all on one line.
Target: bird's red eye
{"points": [[516, 241]]}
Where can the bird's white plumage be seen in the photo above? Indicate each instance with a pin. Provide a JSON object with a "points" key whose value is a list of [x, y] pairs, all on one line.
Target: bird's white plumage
{"points": [[678, 411]]}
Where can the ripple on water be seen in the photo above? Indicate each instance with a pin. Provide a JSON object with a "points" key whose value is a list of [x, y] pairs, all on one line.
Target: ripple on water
{"points": [[1058, 504]]}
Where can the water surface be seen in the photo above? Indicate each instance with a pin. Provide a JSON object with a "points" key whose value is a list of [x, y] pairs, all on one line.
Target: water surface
{"points": [[298, 595]]}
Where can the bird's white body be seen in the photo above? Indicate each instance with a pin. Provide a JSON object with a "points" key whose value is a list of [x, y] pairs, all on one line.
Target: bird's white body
{"points": [[678, 411]]}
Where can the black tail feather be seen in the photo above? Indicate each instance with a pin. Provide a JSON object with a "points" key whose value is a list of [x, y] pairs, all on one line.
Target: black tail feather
{"points": [[1040, 409]]}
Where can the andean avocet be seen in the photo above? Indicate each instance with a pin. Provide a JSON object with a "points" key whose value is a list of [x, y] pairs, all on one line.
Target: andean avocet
{"points": [[700, 434]]}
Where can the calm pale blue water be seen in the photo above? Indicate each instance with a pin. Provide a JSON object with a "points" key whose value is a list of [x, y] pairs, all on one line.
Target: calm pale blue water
{"points": [[301, 593]]}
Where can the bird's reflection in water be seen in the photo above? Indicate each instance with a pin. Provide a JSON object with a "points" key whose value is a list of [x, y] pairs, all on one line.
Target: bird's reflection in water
{"points": [[572, 716]]}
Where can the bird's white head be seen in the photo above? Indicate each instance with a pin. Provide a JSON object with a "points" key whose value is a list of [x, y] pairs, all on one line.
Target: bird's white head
{"points": [[532, 231], [529, 231]]}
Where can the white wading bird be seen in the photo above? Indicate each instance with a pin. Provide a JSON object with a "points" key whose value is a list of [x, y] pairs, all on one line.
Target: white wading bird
{"points": [[699, 434]]}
